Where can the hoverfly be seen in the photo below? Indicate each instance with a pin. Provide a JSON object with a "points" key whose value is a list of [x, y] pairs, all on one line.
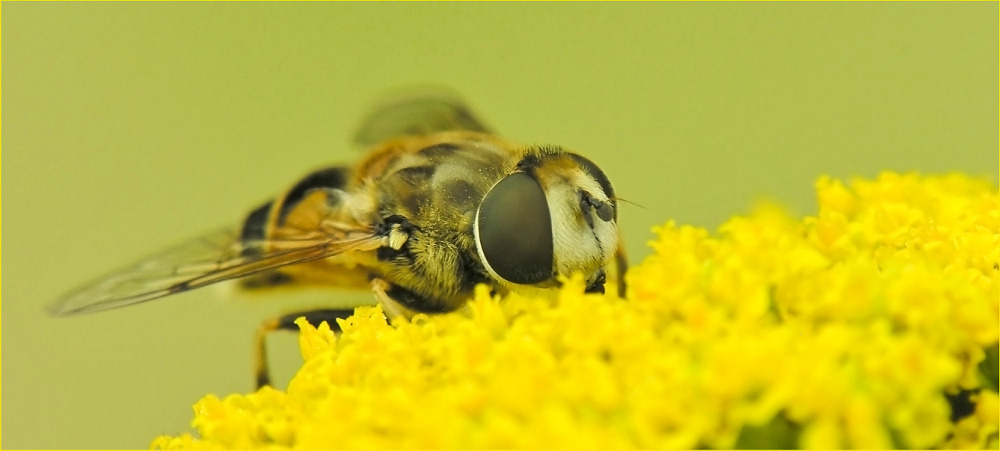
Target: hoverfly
{"points": [[438, 205]]}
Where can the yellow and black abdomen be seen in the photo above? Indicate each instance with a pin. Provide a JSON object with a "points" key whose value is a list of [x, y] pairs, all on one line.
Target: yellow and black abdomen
{"points": [[290, 210]]}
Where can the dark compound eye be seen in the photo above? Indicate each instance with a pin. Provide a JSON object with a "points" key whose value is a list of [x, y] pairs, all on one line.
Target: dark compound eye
{"points": [[515, 230]]}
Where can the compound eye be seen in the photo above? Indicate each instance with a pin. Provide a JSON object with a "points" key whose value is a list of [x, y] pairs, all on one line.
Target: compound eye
{"points": [[514, 230]]}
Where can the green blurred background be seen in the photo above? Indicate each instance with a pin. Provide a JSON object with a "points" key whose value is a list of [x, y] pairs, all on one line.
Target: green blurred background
{"points": [[130, 126]]}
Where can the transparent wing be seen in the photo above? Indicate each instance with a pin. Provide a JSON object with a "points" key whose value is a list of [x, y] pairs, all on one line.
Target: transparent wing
{"points": [[212, 258], [417, 111]]}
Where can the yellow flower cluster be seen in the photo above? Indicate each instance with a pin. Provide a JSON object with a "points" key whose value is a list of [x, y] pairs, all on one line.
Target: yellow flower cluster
{"points": [[873, 324]]}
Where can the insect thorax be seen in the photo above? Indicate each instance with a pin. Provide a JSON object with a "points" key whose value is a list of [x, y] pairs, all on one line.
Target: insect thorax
{"points": [[436, 191]]}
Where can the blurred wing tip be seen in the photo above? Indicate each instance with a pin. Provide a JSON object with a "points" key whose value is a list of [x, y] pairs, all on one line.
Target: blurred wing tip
{"points": [[64, 309], [71, 306], [417, 110], [80, 303], [57, 311]]}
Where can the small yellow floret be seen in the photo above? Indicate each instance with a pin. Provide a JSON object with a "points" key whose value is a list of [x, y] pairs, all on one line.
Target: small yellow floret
{"points": [[848, 329]]}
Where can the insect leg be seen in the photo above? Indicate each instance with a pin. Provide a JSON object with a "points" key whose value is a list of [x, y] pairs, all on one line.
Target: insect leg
{"points": [[390, 306], [287, 322], [621, 265]]}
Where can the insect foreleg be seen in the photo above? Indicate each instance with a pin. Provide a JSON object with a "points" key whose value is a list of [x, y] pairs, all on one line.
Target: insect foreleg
{"points": [[390, 306], [287, 322]]}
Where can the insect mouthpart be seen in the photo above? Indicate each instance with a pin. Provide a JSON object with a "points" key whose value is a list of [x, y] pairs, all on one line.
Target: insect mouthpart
{"points": [[597, 286]]}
